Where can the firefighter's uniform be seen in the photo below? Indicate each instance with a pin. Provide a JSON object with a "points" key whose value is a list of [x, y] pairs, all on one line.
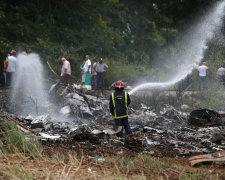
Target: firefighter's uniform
{"points": [[119, 102]]}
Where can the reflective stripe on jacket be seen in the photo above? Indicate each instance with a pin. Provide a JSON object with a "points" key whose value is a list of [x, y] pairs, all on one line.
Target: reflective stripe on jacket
{"points": [[119, 102]]}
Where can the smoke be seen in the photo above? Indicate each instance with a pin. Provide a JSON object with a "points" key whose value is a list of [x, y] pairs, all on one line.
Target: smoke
{"points": [[192, 47]]}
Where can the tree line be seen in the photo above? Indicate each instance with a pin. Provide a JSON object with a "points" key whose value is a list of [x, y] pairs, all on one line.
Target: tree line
{"points": [[129, 34]]}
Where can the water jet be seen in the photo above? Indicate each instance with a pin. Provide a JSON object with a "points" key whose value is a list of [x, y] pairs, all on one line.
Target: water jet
{"points": [[194, 44]]}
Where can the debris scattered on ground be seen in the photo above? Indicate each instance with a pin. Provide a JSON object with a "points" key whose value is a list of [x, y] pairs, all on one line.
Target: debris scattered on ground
{"points": [[213, 157], [83, 117], [205, 117]]}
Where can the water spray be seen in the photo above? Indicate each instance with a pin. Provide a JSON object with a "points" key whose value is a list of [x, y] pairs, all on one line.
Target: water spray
{"points": [[194, 44], [28, 87]]}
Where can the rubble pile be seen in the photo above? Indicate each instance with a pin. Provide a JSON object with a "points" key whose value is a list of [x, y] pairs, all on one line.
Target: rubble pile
{"points": [[89, 122], [205, 117], [83, 106], [81, 134]]}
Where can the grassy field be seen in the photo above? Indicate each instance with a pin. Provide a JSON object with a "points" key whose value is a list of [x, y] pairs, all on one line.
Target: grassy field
{"points": [[19, 166]]}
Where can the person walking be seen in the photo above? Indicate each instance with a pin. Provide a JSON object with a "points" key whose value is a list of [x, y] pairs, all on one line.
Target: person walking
{"points": [[65, 71], [10, 67], [94, 74], [100, 68], [119, 102], [202, 76], [87, 70], [220, 77]]}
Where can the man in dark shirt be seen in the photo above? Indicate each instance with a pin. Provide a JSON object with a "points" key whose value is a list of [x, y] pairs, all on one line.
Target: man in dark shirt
{"points": [[119, 102], [100, 69]]}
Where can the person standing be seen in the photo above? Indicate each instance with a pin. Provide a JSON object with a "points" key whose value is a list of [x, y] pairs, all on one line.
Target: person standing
{"points": [[202, 76], [87, 70], [24, 52], [10, 67], [82, 73], [119, 102], [100, 68], [4, 69], [65, 71], [94, 74], [220, 76], [155, 75]]}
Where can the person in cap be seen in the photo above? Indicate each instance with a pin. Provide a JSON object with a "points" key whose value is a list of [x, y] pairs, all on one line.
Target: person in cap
{"points": [[202, 76], [65, 71], [10, 67], [220, 77], [100, 69], [119, 102]]}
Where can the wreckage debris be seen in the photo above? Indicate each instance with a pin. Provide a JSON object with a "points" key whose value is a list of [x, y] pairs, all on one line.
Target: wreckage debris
{"points": [[41, 122], [218, 138], [205, 117], [85, 118], [213, 157], [134, 143], [83, 133]]}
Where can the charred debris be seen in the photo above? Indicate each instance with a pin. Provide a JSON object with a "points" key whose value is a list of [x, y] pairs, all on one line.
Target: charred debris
{"points": [[82, 116]]}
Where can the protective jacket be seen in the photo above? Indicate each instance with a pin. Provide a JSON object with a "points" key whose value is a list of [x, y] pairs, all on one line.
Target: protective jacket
{"points": [[119, 102]]}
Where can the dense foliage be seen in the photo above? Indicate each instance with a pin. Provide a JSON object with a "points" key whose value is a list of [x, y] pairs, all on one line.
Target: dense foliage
{"points": [[128, 34]]}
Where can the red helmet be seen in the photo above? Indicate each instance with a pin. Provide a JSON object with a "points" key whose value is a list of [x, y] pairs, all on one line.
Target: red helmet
{"points": [[119, 84]]}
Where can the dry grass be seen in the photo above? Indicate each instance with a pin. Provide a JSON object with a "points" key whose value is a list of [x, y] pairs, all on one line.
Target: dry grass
{"points": [[145, 166], [132, 166]]}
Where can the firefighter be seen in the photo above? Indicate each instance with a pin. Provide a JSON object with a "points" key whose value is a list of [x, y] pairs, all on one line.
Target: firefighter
{"points": [[119, 102]]}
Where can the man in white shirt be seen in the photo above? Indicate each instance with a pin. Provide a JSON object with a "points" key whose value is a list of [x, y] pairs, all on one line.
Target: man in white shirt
{"points": [[65, 71], [87, 70], [202, 76], [220, 76], [10, 67]]}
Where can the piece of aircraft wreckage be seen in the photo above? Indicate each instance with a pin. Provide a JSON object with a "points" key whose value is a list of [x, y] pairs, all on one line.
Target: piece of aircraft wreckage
{"points": [[213, 157]]}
